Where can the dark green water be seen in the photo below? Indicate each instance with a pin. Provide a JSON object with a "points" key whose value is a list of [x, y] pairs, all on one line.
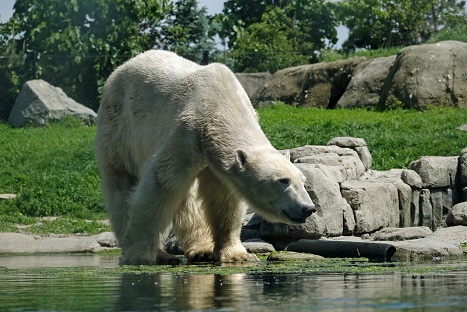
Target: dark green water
{"points": [[31, 285]]}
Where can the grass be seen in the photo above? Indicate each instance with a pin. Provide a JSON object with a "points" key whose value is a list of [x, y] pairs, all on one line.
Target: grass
{"points": [[394, 138], [53, 172], [333, 55]]}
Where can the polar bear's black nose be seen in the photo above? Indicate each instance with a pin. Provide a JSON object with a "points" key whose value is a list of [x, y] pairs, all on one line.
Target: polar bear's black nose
{"points": [[308, 210]]}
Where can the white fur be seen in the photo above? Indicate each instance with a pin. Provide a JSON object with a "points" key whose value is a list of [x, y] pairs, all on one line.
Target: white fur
{"points": [[180, 143]]}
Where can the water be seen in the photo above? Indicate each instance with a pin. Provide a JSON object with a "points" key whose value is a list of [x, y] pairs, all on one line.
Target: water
{"points": [[36, 287]]}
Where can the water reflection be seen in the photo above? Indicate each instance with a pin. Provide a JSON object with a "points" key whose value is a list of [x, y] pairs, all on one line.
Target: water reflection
{"points": [[108, 290], [279, 292], [183, 292]]}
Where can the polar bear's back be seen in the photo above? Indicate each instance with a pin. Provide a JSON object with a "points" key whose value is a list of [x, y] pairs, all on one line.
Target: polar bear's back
{"points": [[150, 96], [160, 62]]}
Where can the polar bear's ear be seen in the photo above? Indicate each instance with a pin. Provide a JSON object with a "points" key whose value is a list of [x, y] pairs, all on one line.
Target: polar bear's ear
{"points": [[287, 155], [240, 158]]}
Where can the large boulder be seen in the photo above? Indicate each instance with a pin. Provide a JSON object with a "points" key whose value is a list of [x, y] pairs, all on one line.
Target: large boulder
{"points": [[284, 85], [326, 82], [252, 82], [39, 102], [365, 85], [428, 75]]}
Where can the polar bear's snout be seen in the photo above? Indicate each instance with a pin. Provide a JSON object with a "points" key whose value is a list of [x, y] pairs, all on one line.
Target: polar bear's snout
{"points": [[298, 214], [308, 210]]}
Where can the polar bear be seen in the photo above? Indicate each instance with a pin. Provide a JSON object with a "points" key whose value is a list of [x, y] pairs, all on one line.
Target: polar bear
{"points": [[180, 144]]}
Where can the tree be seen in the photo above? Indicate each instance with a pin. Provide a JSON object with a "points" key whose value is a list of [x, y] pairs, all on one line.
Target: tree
{"points": [[188, 31], [265, 46], [287, 34], [76, 44], [378, 23]]}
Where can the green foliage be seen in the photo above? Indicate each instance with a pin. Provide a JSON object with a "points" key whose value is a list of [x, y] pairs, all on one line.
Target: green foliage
{"points": [[77, 44], [458, 33], [188, 32], [395, 138], [386, 23], [277, 35], [332, 55], [265, 46]]}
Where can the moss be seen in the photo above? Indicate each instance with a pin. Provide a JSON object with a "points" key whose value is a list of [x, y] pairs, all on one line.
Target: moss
{"points": [[361, 266]]}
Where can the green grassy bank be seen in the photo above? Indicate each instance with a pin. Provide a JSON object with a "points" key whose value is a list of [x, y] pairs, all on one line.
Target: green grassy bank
{"points": [[53, 171]]}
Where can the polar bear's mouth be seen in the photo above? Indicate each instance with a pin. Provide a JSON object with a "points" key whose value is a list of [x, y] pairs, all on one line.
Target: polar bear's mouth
{"points": [[294, 219]]}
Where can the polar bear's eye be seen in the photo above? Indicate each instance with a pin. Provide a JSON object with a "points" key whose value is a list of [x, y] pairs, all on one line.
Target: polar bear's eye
{"points": [[284, 181]]}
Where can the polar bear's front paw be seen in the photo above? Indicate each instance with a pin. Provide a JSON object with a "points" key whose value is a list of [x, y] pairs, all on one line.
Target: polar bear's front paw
{"points": [[202, 253], [237, 257]]}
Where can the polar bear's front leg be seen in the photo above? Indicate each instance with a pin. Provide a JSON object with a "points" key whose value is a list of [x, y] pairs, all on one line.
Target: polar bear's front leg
{"points": [[224, 213], [152, 206]]}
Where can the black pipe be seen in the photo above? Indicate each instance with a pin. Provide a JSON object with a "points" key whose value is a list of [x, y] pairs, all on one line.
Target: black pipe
{"points": [[344, 249]]}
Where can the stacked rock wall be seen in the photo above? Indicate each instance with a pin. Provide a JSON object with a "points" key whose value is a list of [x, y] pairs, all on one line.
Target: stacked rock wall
{"points": [[353, 199]]}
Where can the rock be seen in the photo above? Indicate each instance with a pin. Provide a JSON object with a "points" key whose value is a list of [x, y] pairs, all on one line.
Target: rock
{"points": [[401, 234], [252, 82], [326, 82], [344, 163], [251, 227], [39, 102], [106, 239], [365, 156], [347, 142], [463, 167], [427, 248], [294, 256], [411, 178], [428, 74], [436, 171], [358, 145], [426, 209], [462, 127], [457, 215], [324, 191], [258, 246], [404, 192], [327, 221], [7, 196], [284, 85], [456, 233], [375, 204], [312, 150], [365, 85], [15, 243], [415, 208], [349, 221]]}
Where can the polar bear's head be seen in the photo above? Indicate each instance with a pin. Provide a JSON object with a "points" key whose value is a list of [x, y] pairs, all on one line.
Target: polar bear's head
{"points": [[273, 185]]}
